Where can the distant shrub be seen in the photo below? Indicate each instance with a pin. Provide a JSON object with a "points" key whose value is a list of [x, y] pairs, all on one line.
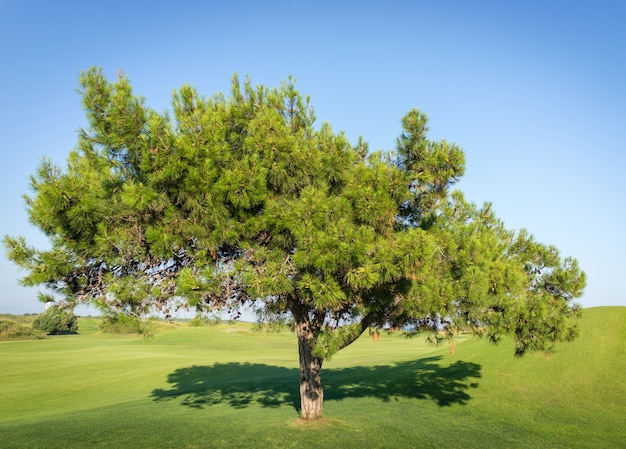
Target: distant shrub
{"points": [[274, 325], [56, 321], [121, 324], [11, 330], [130, 324], [197, 321], [200, 321], [26, 320]]}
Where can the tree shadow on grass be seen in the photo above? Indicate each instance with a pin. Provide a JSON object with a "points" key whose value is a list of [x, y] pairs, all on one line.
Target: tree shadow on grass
{"points": [[235, 384], [242, 384], [420, 379]]}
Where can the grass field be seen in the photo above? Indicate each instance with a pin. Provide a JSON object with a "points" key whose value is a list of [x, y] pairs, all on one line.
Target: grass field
{"points": [[227, 386]]}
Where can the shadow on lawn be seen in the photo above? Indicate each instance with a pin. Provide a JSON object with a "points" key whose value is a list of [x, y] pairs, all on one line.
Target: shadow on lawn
{"points": [[242, 384]]}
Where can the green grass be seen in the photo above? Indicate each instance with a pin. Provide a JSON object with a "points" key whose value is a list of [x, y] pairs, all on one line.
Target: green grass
{"points": [[226, 386]]}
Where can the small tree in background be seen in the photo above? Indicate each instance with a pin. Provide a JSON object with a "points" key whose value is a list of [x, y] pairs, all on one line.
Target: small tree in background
{"points": [[241, 200], [55, 321]]}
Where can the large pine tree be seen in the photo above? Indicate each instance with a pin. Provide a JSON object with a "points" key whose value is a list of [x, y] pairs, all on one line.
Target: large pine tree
{"points": [[242, 200]]}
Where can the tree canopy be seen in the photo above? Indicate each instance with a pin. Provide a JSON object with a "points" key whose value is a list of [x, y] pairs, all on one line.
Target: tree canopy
{"points": [[243, 199]]}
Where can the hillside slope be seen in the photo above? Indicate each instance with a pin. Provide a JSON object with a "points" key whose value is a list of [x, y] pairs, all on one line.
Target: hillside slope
{"points": [[226, 386], [576, 395]]}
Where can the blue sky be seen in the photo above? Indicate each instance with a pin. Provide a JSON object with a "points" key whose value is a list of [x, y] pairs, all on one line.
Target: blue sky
{"points": [[533, 91]]}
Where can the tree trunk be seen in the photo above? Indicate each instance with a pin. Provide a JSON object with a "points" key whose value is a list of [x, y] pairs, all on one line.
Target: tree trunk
{"points": [[311, 391]]}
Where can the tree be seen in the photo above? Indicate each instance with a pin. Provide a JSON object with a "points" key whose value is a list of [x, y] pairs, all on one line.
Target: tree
{"points": [[56, 320], [243, 200]]}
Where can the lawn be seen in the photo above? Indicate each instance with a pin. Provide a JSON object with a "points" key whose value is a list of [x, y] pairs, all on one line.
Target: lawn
{"points": [[228, 386]]}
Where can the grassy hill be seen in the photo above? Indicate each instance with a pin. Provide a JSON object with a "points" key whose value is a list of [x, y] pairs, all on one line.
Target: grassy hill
{"points": [[18, 328], [227, 386]]}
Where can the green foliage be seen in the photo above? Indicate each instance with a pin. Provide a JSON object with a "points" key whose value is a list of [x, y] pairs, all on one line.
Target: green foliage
{"points": [[201, 321], [12, 330], [121, 323], [269, 322], [55, 321]]}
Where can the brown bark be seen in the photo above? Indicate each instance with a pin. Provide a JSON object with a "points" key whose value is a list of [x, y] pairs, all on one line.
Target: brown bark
{"points": [[308, 325], [311, 391]]}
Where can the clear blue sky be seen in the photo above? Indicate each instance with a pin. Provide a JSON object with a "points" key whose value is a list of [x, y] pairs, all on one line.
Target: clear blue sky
{"points": [[534, 91]]}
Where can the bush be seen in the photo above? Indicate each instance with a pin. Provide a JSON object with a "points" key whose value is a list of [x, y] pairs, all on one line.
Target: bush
{"points": [[130, 324], [11, 330], [121, 324], [200, 321], [56, 321]]}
